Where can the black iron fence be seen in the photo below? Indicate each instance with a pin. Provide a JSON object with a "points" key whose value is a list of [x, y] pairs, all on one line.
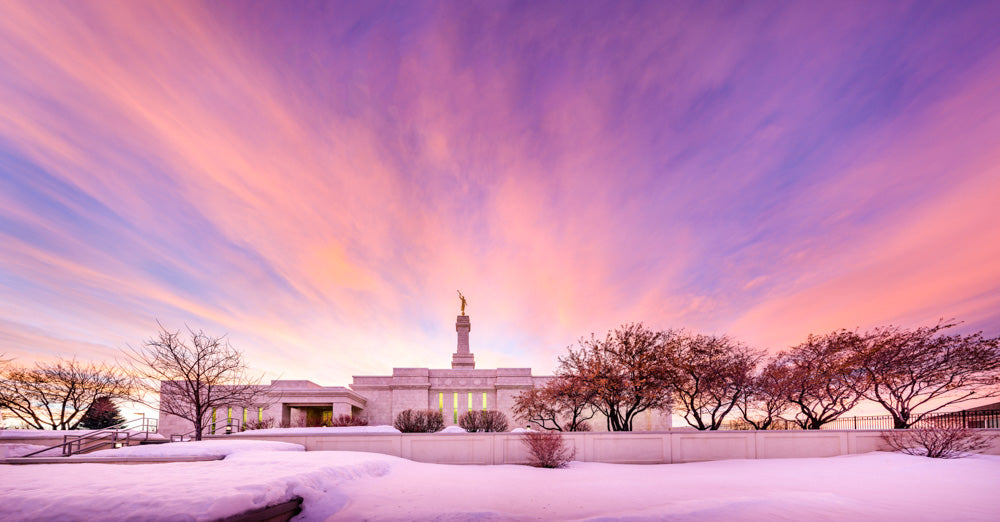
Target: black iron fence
{"points": [[955, 419]]}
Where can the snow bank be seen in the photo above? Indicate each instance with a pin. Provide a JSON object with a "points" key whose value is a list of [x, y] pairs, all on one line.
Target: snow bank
{"points": [[356, 486], [453, 429], [195, 491], [196, 449], [319, 431], [874, 486]]}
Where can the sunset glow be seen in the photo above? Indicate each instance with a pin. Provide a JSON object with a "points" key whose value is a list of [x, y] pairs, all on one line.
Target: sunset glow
{"points": [[317, 180]]}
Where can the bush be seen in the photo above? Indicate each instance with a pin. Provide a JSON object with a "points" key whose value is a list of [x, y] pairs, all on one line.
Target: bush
{"points": [[419, 421], [347, 420], [483, 421], [263, 424], [938, 443], [547, 449]]}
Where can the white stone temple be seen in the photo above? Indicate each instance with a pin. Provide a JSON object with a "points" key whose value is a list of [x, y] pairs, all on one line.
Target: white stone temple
{"points": [[380, 398]]}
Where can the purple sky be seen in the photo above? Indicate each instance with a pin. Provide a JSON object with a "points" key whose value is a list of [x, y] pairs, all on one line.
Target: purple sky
{"points": [[317, 180]]}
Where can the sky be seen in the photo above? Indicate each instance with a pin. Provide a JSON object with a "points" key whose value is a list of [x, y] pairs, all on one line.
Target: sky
{"points": [[317, 180]]}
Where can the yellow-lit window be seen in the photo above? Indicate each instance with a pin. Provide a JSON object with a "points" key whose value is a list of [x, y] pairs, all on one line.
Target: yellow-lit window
{"points": [[260, 414], [470, 402], [454, 409], [484, 401], [212, 427], [244, 416], [441, 403], [229, 416]]}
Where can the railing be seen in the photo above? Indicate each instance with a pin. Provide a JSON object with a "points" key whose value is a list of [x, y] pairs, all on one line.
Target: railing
{"points": [[213, 428], [120, 434], [955, 419]]}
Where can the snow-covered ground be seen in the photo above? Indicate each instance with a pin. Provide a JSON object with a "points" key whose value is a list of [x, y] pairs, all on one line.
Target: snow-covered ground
{"points": [[354, 486]]}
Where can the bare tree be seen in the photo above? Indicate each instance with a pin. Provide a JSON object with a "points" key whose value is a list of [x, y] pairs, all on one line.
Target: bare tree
{"points": [[191, 378], [561, 404], [765, 400], [907, 370], [712, 374], [57, 395], [3, 363], [822, 381], [627, 372]]}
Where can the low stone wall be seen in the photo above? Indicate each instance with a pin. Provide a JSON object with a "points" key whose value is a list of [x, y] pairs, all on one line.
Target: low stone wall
{"points": [[35, 441], [621, 448]]}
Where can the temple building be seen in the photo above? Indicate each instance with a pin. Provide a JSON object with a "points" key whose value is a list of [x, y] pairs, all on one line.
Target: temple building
{"points": [[380, 398]]}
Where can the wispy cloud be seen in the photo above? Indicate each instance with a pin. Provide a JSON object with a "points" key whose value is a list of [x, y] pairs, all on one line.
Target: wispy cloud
{"points": [[318, 181]]}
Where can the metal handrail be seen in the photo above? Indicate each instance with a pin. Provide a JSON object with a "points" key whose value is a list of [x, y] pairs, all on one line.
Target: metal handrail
{"points": [[114, 432]]}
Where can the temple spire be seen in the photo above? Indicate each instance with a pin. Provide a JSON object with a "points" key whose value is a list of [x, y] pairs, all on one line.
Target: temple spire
{"points": [[463, 359]]}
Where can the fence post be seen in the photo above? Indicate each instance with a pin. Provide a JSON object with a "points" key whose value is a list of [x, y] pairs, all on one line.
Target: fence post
{"points": [[855, 422]]}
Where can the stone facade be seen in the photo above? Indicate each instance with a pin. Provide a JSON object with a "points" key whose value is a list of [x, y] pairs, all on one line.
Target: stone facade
{"points": [[380, 398], [289, 403], [453, 392]]}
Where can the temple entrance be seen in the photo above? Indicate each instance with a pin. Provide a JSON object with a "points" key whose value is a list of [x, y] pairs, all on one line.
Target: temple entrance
{"points": [[318, 416], [310, 416]]}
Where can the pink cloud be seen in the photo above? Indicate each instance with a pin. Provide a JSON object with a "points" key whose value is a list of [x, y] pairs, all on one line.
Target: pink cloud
{"points": [[567, 173]]}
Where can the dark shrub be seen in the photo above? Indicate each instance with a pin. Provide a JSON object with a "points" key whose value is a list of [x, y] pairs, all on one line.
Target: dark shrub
{"points": [[419, 421], [547, 449], [347, 420], [263, 424], [483, 421], [938, 443]]}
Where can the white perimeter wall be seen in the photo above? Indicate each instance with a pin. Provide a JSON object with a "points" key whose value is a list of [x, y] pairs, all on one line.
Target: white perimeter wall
{"points": [[622, 448]]}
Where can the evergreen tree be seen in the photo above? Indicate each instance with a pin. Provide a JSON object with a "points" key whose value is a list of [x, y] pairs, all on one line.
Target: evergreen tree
{"points": [[101, 414]]}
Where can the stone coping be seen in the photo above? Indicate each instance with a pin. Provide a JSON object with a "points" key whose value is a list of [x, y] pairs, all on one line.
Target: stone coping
{"points": [[83, 459], [276, 513]]}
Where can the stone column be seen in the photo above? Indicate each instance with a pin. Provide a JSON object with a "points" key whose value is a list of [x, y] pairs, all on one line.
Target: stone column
{"points": [[462, 358]]}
